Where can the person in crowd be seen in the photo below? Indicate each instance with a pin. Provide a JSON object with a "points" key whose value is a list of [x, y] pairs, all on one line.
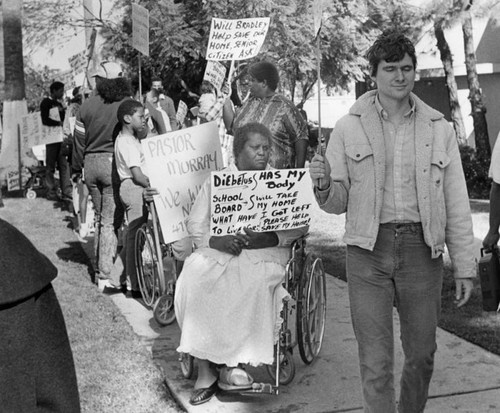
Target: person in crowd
{"points": [[95, 129], [158, 120], [264, 105], [229, 293], [37, 372], [166, 104], [208, 98], [491, 239], [393, 166], [131, 167], [52, 113], [80, 191]]}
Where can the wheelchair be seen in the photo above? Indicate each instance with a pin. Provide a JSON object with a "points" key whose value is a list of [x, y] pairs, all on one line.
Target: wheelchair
{"points": [[156, 268], [306, 283]]}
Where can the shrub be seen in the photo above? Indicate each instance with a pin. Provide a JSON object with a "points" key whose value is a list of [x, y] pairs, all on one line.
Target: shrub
{"points": [[476, 169]]}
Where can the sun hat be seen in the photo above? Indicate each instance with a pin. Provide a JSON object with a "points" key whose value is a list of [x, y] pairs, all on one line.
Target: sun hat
{"points": [[109, 70]]}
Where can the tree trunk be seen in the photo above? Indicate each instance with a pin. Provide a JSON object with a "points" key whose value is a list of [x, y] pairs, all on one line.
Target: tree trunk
{"points": [[475, 95], [13, 49], [446, 58]]}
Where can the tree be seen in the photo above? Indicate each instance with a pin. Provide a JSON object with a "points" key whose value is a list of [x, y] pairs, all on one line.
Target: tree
{"points": [[475, 94], [13, 50]]}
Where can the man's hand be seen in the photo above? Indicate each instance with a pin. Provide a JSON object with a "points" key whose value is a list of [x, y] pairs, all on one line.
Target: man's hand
{"points": [[490, 241], [319, 169], [463, 290]]}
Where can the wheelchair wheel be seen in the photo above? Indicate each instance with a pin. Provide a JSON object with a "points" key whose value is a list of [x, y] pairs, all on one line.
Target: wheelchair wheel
{"points": [[148, 265], [29, 193], [187, 365], [311, 309], [163, 310], [287, 368]]}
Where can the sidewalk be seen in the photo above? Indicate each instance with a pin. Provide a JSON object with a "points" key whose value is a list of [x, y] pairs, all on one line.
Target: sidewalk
{"points": [[466, 377]]}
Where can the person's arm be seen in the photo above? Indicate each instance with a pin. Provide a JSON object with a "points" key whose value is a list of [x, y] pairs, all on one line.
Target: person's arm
{"points": [[138, 177], [491, 239], [78, 145], [45, 107], [301, 152], [171, 113], [228, 115]]}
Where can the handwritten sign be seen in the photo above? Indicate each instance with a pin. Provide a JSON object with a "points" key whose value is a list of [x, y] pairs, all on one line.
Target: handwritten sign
{"points": [[78, 62], [236, 39], [268, 200], [182, 111], [215, 73], [34, 133], [140, 29], [13, 179], [178, 163]]}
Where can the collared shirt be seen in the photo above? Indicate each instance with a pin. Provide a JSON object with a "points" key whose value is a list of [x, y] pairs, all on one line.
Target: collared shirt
{"points": [[400, 202], [282, 118]]}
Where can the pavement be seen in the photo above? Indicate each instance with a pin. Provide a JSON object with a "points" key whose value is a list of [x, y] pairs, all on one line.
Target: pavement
{"points": [[466, 377]]}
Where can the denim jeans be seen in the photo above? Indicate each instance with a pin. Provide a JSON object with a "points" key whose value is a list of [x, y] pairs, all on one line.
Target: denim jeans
{"points": [[398, 271], [55, 157], [100, 178], [137, 214]]}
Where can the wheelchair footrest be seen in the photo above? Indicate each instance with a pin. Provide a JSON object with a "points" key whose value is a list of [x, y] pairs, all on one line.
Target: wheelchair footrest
{"points": [[265, 388]]}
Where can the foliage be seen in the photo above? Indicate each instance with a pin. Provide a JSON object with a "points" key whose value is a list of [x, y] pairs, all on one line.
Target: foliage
{"points": [[476, 173], [37, 81]]}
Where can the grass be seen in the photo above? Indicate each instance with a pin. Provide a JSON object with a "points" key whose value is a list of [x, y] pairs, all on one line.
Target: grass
{"points": [[115, 371], [469, 322]]}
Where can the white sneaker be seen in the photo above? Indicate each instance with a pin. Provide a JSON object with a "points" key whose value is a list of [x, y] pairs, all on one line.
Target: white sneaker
{"points": [[103, 283], [84, 230]]}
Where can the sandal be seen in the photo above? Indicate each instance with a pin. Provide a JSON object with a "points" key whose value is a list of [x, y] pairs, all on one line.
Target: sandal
{"points": [[234, 379]]}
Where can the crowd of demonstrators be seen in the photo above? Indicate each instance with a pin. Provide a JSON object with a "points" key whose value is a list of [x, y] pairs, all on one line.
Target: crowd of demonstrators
{"points": [[52, 113], [95, 130], [266, 106], [393, 166]]}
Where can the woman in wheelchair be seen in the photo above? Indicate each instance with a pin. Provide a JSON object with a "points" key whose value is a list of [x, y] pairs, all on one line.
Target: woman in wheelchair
{"points": [[229, 295]]}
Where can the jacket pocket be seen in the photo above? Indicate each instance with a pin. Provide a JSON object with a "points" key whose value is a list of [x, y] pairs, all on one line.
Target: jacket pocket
{"points": [[439, 161], [359, 162]]}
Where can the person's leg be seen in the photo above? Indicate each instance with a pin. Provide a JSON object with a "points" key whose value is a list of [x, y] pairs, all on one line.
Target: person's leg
{"points": [[418, 299], [131, 195], [371, 296], [64, 176], [51, 156]]}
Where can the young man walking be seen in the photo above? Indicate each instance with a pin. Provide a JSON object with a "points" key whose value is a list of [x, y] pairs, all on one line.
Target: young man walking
{"points": [[393, 165]]}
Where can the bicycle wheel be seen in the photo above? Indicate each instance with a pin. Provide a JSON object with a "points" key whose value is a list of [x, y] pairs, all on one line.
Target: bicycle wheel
{"points": [[147, 265], [163, 310], [287, 368], [311, 308]]}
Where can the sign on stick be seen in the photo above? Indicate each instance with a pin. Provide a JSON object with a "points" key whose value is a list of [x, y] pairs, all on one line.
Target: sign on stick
{"points": [[236, 39], [140, 29], [215, 73]]}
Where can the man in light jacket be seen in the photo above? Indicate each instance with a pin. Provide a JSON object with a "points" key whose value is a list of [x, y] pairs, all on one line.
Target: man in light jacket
{"points": [[393, 166]]}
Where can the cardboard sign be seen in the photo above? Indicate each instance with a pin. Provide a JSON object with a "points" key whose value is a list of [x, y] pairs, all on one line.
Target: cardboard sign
{"points": [[178, 163], [215, 73], [13, 179], [269, 200], [236, 39], [140, 29], [182, 111], [34, 133], [78, 62]]}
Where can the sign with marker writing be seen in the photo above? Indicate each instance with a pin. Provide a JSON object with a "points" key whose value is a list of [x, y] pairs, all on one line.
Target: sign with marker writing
{"points": [[236, 39], [178, 163], [182, 111], [215, 73], [34, 133], [78, 62], [269, 200]]}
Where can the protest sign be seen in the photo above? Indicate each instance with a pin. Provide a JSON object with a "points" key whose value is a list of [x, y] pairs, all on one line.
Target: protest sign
{"points": [[236, 39], [34, 133], [140, 29], [177, 165], [182, 111], [215, 73], [78, 63], [13, 179], [268, 200]]}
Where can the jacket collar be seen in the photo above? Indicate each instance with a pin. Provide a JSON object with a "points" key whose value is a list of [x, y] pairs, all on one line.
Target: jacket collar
{"points": [[367, 102]]}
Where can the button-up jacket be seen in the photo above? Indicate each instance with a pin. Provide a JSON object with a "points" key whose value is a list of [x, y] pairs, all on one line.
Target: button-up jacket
{"points": [[356, 154]]}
